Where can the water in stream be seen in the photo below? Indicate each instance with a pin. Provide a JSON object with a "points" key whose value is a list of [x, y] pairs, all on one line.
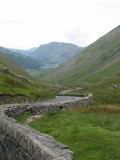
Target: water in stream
{"points": [[60, 99]]}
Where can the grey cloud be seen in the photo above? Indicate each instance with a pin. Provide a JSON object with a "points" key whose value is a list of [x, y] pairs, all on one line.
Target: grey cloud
{"points": [[9, 21], [77, 37]]}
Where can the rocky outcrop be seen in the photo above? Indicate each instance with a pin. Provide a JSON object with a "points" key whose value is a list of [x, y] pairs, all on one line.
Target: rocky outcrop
{"points": [[32, 118], [23, 79], [24, 143]]}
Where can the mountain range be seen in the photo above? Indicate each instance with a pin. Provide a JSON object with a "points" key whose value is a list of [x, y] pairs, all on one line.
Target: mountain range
{"points": [[24, 52], [96, 69], [99, 59], [55, 52], [46, 56]]}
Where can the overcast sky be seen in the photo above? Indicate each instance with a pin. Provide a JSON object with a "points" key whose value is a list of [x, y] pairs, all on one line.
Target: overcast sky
{"points": [[28, 23]]}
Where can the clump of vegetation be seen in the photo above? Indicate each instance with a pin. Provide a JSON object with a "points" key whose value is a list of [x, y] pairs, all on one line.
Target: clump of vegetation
{"points": [[97, 109]]}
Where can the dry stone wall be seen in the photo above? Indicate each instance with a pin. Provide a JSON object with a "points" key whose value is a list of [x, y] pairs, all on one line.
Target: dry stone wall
{"points": [[21, 142], [6, 71]]}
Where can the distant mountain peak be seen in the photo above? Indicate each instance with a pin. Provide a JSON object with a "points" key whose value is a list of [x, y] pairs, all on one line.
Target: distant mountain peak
{"points": [[55, 53]]}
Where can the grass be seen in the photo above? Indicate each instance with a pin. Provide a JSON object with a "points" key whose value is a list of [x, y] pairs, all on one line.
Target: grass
{"points": [[13, 90], [13, 87], [92, 133], [22, 118], [97, 109], [37, 73], [103, 95], [5, 62], [99, 85]]}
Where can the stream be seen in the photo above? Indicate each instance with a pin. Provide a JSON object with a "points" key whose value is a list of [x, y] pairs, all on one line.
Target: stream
{"points": [[62, 98]]}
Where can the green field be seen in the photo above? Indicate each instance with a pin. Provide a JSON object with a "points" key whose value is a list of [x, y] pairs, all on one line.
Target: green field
{"points": [[92, 133]]}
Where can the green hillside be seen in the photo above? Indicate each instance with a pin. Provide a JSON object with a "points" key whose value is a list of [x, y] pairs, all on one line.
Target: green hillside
{"points": [[103, 55], [12, 66], [22, 60], [96, 69], [14, 90]]}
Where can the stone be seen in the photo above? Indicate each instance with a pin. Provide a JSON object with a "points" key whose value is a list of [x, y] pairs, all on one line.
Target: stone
{"points": [[31, 119], [113, 86]]}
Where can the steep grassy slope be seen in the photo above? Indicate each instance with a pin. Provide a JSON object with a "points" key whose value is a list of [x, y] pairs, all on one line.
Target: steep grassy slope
{"points": [[12, 89], [101, 56], [13, 67], [21, 60]]}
